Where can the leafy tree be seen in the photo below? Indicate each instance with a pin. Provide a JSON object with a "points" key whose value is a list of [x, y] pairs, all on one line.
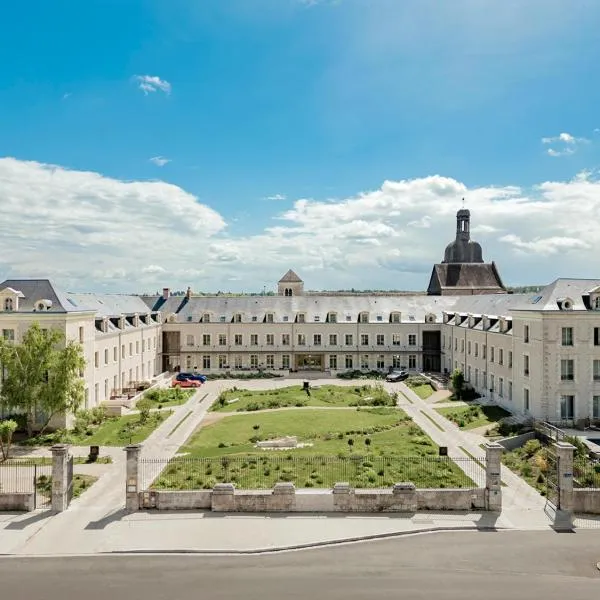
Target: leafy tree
{"points": [[458, 382], [41, 376], [7, 428]]}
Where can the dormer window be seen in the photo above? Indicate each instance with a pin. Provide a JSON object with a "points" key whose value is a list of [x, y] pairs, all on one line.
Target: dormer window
{"points": [[596, 303], [379, 318], [395, 317], [317, 318], [206, 318], [363, 317], [223, 319], [269, 318], [301, 318], [237, 318], [9, 305], [332, 317]]}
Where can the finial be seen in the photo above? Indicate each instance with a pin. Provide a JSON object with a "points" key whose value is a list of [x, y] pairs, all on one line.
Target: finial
{"points": [[463, 201]]}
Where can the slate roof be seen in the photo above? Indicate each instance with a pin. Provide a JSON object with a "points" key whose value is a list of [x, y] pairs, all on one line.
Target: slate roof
{"points": [[547, 299], [34, 290], [479, 276], [491, 305], [109, 305], [290, 277]]}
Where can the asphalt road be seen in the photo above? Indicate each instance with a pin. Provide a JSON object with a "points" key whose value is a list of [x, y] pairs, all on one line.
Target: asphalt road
{"points": [[465, 566]]}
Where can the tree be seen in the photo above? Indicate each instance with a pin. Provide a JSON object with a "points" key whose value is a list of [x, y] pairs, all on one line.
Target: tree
{"points": [[458, 382], [7, 428], [41, 376]]}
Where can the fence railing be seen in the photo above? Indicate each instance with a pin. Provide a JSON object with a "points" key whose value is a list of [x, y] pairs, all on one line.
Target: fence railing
{"points": [[586, 474], [21, 476], [263, 472]]}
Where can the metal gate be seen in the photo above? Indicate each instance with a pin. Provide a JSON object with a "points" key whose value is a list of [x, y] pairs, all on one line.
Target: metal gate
{"points": [[69, 479], [552, 479]]}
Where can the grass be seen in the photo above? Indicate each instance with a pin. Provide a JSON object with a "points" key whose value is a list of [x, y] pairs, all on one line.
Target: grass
{"points": [[238, 400], [46, 460], [471, 417], [420, 386], [81, 483], [166, 397]]}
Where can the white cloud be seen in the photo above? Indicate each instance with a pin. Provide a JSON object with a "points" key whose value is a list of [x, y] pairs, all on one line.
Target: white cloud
{"points": [[152, 83], [160, 161], [564, 144], [276, 197], [91, 232], [67, 95]]}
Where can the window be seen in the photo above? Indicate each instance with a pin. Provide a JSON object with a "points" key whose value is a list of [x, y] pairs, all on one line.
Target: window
{"points": [[301, 318], [476, 349], [96, 360], [106, 389], [379, 318], [123, 351], [596, 407], [476, 378], [469, 373], [285, 361], [206, 318], [301, 339], [238, 339], [206, 339], [222, 339], [254, 361], [269, 318], [115, 354], [510, 359], [567, 370], [364, 362], [492, 349], [492, 388], [526, 400], [396, 361], [349, 362], [8, 305], [462, 345], [130, 348], [510, 393], [254, 319], [285, 339], [483, 351], [380, 339], [596, 336], [8, 335], [412, 361], [348, 317], [412, 340], [484, 380], [188, 362], [500, 387], [270, 339], [396, 339], [381, 361], [97, 393], [455, 343], [254, 339], [190, 340], [317, 319], [237, 361], [333, 361], [349, 339], [567, 407], [525, 365], [444, 341], [332, 317], [317, 339], [364, 339], [395, 317], [286, 319], [237, 318], [206, 361], [363, 317], [270, 361], [500, 356], [137, 347], [526, 334], [333, 339], [596, 370], [81, 335], [469, 348], [567, 336]]}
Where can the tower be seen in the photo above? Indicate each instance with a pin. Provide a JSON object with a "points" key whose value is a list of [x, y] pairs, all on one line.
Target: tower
{"points": [[290, 285]]}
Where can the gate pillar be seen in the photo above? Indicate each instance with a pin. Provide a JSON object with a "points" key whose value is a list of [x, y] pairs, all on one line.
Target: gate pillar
{"points": [[564, 514], [60, 477]]}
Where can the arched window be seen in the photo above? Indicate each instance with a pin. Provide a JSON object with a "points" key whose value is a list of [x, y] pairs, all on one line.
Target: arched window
{"points": [[288, 292], [8, 305], [597, 303]]}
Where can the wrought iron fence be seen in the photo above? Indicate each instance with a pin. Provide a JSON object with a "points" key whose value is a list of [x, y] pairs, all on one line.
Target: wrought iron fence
{"points": [[263, 472], [26, 477], [586, 474]]}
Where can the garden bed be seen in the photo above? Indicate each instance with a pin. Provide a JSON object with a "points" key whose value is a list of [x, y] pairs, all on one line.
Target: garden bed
{"points": [[474, 416]]}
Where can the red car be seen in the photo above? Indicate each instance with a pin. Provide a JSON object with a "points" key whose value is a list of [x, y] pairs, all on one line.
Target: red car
{"points": [[186, 383]]}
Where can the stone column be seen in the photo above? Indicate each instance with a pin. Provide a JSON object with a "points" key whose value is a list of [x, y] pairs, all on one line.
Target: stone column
{"points": [[493, 470], [60, 477], [132, 491], [564, 515]]}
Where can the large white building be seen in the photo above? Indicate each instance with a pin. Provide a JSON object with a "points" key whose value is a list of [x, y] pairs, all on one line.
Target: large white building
{"points": [[536, 354]]}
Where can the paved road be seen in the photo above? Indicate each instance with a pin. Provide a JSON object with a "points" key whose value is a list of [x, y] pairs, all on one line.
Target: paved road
{"points": [[465, 566]]}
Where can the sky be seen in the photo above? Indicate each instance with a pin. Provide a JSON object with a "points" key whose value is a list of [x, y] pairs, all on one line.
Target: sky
{"points": [[218, 143]]}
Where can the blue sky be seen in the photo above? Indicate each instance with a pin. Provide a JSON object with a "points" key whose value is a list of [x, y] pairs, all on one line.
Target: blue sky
{"points": [[292, 99]]}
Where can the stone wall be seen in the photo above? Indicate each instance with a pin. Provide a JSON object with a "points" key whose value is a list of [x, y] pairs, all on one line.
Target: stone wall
{"points": [[512, 443], [17, 501], [586, 500]]}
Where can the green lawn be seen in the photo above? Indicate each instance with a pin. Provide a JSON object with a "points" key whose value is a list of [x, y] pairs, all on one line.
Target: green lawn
{"points": [[368, 447], [81, 483], [423, 391], [47, 460], [471, 417], [169, 396], [237, 400]]}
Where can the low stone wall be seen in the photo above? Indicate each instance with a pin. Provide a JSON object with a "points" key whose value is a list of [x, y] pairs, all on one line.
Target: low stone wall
{"points": [[17, 501], [586, 500], [403, 497], [512, 443]]}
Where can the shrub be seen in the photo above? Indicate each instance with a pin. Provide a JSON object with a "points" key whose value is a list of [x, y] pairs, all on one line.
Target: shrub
{"points": [[256, 426], [531, 447], [144, 406], [252, 406], [7, 428], [350, 442]]}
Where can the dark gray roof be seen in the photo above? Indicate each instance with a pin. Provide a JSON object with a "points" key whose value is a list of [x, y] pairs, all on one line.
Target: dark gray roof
{"points": [[290, 277], [469, 276], [548, 298], [34, 290], [109, 305], [492, 305]]}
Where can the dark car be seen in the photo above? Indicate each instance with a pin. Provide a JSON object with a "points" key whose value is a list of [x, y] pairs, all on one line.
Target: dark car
{"points": [[397, 376], [190, 377]]}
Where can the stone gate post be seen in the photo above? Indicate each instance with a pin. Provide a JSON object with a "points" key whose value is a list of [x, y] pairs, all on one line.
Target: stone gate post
{"points": [[60, 477], [132, 484], [564, 515], [493, 483]]}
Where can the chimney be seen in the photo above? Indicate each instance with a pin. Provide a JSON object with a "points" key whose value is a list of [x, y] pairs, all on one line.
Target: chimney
{"points": [[165, 293], [188, 293]]}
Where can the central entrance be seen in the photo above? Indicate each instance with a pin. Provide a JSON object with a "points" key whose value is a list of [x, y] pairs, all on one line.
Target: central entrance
{"points": [[309, 362]]}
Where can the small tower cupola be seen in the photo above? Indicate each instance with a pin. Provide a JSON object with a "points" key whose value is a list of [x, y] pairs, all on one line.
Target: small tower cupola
{"points": [[290, 285]]}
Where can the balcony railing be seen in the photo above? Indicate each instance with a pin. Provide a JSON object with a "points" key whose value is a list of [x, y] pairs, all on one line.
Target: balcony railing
{"points": [[341, 348]]}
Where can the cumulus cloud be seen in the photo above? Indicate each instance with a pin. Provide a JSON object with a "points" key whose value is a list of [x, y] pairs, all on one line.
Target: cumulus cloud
{"points": [[159, 161], [152, 83], [91, 232], [564, 144]]}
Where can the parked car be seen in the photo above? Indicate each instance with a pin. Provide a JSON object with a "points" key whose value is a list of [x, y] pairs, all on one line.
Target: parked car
{"points": [[185, 383], [397, 376], [192, 376]]}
